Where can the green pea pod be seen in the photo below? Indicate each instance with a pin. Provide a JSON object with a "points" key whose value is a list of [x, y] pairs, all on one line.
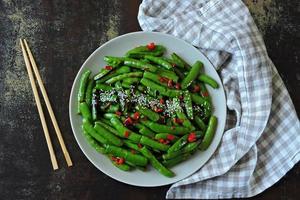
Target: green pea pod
{"points": [[108, 135], [188, 148], [159, 128], [123, 76], [148, 113], [89, 92], [204, 92], [125, 132], [161, 89], [113, 108], [114, 61], [156, 164], [159, 61], [82, 87], [118, 71], [200, 123], [107, 126], [192, 75], [141, 51], [179, 144], [131, 145], [144, 130], [209, 133], [153, 144], [177, 160], [103, 72], [93, 142], [88, 127], [179, 61], [104, 87], [208, 80], [85, 111], [140, 64], [131, 81], [166, 136], [185, 121], [127, 155], [168, 74], [110, 115]]}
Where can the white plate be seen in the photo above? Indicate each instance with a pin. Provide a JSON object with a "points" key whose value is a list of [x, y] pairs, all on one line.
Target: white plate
{"points": [[117, 47]]}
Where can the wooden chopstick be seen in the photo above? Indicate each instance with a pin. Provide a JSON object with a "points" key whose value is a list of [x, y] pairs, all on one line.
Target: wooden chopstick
{"points": [[40, 109], [48, 105]]}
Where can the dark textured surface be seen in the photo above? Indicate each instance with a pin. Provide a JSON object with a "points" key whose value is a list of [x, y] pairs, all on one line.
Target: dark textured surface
{"points": [[62, 34]]}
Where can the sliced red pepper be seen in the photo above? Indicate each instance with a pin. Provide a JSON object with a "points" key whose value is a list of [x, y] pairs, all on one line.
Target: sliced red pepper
{"points": [[140, 145], [158, 110], [126, 134], [161, 140], [177, 86], [170, 137], [107, 67], [118, 113], [120, 161], [181, 97], [170, 83], [196, 88], [128, 121], [178, 121], [136, 116], [151, 46], [192, 137], [163, 79]]}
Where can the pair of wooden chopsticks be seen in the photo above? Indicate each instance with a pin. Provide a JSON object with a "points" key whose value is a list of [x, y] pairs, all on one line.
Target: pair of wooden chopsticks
{"points": [[30, 63]]}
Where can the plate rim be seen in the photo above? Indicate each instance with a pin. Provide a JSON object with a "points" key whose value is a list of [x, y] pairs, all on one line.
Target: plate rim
{"points": [[75, 80]]}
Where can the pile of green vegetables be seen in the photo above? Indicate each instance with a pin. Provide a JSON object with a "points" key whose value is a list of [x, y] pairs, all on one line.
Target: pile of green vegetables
{"points": [[145, 107]]}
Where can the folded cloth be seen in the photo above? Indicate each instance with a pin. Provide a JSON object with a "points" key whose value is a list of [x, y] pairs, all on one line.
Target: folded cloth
{"points": [[262, 137]]}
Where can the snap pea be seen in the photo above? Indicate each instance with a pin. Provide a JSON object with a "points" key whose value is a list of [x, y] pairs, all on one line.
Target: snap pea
{"points": [[118, 71], [200, 123], [88, 127], [200, 100], [141, 51], [161, 89], [188, 148], [209, 133], [179, 61], [156, 164], [85, 111], [123, 167], [188, 105], [131, 81], [208, 80], [125, 132], [166, 136], [115, 61], [159, 61], [204, 92], [153, 144], [180, 114], [172, 162], [123, 76], [131, 145], [100, 86], [192, 75], [144, 130], [82, 87], [168, 74], [148, 113], [178, 144], [89, 92], [108, 135], [107, 126], [110, 115], [102, 73], [140, 64], [93, 142], [94, 106], [113, 108], [127, 155], [159, 128]]}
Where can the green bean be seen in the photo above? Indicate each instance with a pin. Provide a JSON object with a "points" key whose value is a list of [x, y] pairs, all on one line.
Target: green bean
{"points": [[108, 135], [123, 76], [159, 61], [192, 75], [209, 133], [179, 61], [148, 113], [156, 164], [159, 128], [85, 111], [88, 127], [127, 155], [188, 105], [178, 144], [125, 132], [82, 87], [89, 92], [186, 149], [166, 136], [93, 142], [200, 123], [177, 160], [153, 144], [140, 64], [100, 86], [208, 80]]}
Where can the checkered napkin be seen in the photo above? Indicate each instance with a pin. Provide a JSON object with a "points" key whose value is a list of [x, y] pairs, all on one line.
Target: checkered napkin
{"points": [[262, 138]]}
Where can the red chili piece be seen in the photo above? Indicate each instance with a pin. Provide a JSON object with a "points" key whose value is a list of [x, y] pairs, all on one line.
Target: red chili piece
{"points": [[140, 146], [173, 65], [205, 94], [136, 115], [151, 46], [161, 101], [126, 134], [196, 88], [128, 121], [161, 140], [170, 83], [192, 137], [108, 67], [163, 79], [118, 113], [133, 151], [178, 121], [170, 137], [120, 161], [158, 110], [181, 97], [177, 86]]}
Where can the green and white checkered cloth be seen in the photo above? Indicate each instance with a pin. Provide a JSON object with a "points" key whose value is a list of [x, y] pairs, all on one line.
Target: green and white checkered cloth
{"points": [[262, 138]]}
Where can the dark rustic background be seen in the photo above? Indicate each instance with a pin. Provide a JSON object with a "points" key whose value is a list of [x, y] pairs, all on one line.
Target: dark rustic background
{"points": [[62, 35]]}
